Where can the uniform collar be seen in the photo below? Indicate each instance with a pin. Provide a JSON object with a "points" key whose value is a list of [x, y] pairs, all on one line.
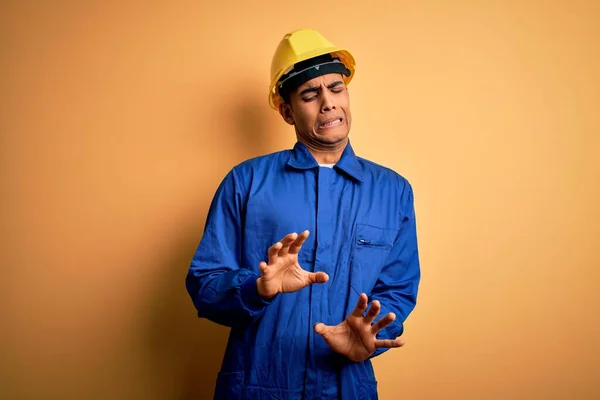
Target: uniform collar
{"points": [[301, 158]]}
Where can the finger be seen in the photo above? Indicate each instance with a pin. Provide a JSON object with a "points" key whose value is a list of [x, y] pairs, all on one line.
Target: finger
{"points": [[321, 328], [263, 267], [383, 322], [297, 244], [273, 250], [388, 344], [373, 312], [286, 242], [361, 306], [318, 277]]}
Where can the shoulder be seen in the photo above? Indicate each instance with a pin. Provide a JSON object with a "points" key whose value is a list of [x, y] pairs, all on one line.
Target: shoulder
{"points": [[390, 184], [261, 163], [264, 160], [240, 178], [383, 175]]}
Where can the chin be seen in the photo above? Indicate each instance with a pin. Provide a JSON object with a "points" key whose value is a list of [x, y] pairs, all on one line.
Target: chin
{"points": [[332, 138], [339, 132]]}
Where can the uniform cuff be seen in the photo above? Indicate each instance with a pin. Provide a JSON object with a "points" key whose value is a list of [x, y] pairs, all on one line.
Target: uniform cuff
{"points": [[251, 300]]}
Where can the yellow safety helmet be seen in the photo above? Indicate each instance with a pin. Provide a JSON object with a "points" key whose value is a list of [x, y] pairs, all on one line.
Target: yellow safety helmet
{"points": [[301, 45]]}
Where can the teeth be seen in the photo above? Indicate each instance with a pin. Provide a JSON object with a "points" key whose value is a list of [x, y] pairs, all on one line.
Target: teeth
{"points": [[334, 122]]}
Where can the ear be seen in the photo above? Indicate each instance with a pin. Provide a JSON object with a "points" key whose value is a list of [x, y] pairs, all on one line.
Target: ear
{"points": [[286, 113]]}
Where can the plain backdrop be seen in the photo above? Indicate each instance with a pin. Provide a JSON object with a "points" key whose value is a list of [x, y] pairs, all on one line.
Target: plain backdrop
{"points": [[119, 119]]}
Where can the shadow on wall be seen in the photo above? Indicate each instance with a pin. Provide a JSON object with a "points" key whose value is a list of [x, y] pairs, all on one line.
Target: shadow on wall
{"points": [[254, 136], [186, 351], [194, 347]]}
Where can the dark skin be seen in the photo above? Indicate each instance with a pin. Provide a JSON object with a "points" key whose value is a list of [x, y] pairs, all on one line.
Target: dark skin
{"points": [[311, 106], [320, 112]]}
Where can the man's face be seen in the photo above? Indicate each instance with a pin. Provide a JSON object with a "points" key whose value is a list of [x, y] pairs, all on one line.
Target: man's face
{"points": [[320, 111]]}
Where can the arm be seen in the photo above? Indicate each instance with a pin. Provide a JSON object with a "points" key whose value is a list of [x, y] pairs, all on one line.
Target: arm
{"points": [[397, 286], [221, 289]]}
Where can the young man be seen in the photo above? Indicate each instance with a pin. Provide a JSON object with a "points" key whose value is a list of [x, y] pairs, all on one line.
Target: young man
{"points": [[304, 311]]}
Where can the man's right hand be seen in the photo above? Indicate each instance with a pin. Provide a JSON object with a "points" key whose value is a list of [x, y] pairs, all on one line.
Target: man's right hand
{"points": [[283, 274]]}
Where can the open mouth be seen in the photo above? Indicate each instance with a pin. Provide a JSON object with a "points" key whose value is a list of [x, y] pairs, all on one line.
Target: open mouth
{"points": [[330, 123]]}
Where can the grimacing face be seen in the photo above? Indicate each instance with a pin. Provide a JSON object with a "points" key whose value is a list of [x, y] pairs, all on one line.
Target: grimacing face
{"points": [[320, 112]]}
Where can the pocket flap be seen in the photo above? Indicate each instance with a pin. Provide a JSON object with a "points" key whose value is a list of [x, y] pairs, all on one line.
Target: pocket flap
{"points": [[368, 235]]}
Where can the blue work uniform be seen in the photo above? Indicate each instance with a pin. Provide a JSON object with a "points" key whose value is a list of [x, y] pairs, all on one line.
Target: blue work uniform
{"points": [[363, 235]]}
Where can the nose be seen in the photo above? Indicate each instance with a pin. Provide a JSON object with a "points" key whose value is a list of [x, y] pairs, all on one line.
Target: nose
{"points": [[327, 101]]}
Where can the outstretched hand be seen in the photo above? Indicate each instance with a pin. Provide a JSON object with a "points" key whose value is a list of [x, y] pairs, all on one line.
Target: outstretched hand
{"points": [[356, 336], [283, 273]]}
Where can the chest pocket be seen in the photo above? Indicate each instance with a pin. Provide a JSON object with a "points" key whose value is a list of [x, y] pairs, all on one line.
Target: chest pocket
{"points": [[372, 246]]}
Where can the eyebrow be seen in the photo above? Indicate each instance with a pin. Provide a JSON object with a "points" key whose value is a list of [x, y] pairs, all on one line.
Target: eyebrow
{"points": [[316, 88]]}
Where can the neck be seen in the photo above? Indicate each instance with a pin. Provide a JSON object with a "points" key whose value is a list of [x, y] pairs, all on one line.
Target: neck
{"points": [[326, 155]]}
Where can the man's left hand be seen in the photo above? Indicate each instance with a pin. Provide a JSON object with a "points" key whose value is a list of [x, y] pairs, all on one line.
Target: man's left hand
{"points": [[356, 336]]}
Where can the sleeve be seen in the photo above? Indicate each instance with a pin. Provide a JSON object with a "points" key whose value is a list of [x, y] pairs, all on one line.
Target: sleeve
{"points": [[397, 285], [221, 289]]}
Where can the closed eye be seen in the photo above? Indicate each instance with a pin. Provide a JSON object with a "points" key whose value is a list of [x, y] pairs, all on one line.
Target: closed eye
{"points": [[333, 89]]}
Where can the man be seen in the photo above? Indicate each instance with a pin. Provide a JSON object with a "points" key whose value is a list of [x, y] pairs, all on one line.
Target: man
{"points": [[344, 235]]}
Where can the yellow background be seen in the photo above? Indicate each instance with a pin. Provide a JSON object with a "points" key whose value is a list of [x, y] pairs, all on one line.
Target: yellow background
{"points": [[118, 120]]}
